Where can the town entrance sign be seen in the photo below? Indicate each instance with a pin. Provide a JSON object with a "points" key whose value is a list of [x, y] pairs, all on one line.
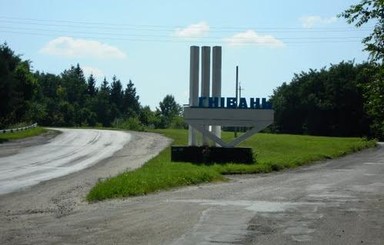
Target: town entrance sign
{"points": [[208, 111]]}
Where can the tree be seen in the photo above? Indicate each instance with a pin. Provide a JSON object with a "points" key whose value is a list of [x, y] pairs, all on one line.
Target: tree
{"points": [[116, 97], [361, 14], [8, 63], [131, 105], [26, 88], [74, 83], [374, 101], [91, 86], [325, 102], [147, 117], [168, 111], [102, 106], [116, 92], [18, 87]]}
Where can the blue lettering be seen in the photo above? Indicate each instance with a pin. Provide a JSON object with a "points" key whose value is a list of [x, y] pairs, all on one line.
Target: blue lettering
{"points": [[222, 102], [255, 103], [201, 101], [243, 103], [213, 102], [266, 105], [231, 102]]}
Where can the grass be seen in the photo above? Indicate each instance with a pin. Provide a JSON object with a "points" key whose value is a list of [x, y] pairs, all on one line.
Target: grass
{"points": [[272, 153], [4, 137]]}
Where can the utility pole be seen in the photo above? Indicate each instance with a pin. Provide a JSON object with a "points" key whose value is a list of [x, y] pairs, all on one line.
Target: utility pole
{"points": [[237, 85], [237, 93], [240, 89]]}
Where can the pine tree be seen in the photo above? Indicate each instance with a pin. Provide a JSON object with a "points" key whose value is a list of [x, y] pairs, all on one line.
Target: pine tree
{"points": [[131, 105]]}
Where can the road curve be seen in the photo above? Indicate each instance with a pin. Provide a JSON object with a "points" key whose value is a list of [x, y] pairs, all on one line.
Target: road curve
{"points": [[70, 151]]}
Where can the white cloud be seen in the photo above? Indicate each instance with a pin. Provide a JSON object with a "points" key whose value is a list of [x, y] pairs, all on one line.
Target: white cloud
{"points": [[193, 31], [312, 21], [96, 72], [250, 37], [72, 47]]}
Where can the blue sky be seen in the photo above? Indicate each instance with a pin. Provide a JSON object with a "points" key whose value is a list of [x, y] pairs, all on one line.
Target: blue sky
{"points": [[148, 41]]}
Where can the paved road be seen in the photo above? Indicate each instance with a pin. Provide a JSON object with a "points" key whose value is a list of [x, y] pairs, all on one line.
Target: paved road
{"points": [[70, 151], [334, 202]]}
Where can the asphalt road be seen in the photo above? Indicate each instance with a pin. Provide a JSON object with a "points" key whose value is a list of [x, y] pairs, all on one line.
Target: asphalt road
{"points": [[333, 202], [68, 152]]}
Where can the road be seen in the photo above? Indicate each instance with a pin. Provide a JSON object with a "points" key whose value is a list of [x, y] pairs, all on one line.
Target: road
{"points": [[70, 151], [333, 202]]}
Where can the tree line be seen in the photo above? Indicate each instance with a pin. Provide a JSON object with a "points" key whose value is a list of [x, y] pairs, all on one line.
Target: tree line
{"points": [[331, 101], [70, 99]]}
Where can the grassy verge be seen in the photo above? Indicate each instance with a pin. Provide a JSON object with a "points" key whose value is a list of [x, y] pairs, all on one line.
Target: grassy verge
{"points": [[273, 153], [4, 137]]}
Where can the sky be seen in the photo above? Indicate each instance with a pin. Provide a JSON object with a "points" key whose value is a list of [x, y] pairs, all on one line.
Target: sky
{"points": [[147, 41]]}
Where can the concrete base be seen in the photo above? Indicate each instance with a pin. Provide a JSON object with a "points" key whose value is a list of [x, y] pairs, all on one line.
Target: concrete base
{"points": [[205, 154]]}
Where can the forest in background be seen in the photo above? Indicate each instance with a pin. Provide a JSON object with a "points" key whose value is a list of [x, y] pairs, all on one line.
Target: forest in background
{"points": [[334, 101]]}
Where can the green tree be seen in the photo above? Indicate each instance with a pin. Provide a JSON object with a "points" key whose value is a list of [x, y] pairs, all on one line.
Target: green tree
{"points": [[374, 101], [91, 86], [116, 92], [169, 110], [361, 14], [75, 86], [102, 106], [148, 118], [50, 95], [368, 11], [26, 89], [116, 97], [18, 87], [131, 104], [325, 102]]}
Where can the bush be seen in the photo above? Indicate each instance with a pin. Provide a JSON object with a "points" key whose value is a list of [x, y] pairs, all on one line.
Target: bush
{"points": [[132, 123]]}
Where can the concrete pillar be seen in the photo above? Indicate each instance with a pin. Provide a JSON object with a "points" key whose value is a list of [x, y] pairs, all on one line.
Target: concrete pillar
{"points": [[193, 89], [205, 79], [216, 82]]}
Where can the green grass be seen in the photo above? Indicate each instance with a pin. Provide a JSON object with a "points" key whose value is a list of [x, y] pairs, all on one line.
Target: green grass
{"points": [[275, 152], [272, 153], [4, 137], [157, 174]]}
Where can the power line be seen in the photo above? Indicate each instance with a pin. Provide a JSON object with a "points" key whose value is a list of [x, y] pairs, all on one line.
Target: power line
{"points": [[119, 26], [158, 33]]}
